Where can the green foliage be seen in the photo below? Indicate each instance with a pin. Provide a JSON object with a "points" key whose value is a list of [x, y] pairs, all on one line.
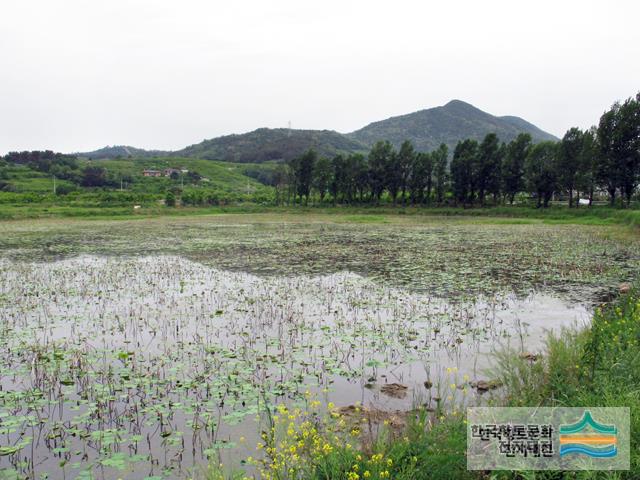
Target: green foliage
{"points": [[94, 176], [170, 199], [301, 172], [380, 160], [44, 161], [421, 178], [487, 167], [541, 171], [462, 171], [440, 171], [424, 452], [323, 176], [619, 140], [513, 166], [589, 157], [569, 160], [406, 159]]}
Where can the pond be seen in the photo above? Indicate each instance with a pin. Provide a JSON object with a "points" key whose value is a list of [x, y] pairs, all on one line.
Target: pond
{"points": [[135, 350]]}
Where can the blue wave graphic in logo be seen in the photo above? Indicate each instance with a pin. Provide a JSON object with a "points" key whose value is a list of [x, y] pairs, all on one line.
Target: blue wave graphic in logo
{"points": [[600, 443]]}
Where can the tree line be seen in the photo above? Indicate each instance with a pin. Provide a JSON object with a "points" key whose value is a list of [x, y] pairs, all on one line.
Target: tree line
{"points": [[61, 166], [602, 160]]}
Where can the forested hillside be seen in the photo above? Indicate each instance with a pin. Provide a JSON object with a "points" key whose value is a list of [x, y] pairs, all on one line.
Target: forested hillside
{"points": [[449, 124]]}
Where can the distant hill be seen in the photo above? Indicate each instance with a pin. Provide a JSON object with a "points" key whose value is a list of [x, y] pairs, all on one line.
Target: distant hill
{"points": [[448, 124], [426, 129], [121, 151], [267, 144]]}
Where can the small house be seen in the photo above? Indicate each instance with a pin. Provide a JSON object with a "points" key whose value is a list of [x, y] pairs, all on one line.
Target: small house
{"points": [[151, 173]]}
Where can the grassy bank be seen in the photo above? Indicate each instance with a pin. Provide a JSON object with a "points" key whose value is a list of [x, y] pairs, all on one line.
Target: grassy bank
{"points": [[116, 208], [598, 366]]}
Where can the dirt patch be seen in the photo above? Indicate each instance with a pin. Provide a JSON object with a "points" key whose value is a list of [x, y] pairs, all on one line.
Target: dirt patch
{"points": [[394, 390]]}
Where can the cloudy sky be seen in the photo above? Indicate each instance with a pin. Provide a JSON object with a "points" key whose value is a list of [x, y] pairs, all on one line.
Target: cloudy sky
{"points": [[77, 75]]}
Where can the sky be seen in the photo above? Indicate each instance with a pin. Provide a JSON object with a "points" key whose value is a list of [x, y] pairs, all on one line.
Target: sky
{"points": [[78, 75]]}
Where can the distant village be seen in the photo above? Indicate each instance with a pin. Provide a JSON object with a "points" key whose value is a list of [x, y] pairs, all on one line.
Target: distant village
{"points": [[171, 172], [167, 172]]}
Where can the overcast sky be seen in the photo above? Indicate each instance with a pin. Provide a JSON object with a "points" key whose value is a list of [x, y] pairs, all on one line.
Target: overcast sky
{"points": [[77, 75]]}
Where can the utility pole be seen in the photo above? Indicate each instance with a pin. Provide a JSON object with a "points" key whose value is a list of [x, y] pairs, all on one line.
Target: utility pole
{"points": [[54, 184]]}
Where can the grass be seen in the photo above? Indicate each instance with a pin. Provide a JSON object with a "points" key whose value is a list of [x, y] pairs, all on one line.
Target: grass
{"points": [[26, 180], [24, 206], [599, 366]]}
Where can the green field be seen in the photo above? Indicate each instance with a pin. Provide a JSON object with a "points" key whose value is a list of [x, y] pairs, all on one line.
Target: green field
{"points": [[26, 180], [221, 175], [30, 193]]}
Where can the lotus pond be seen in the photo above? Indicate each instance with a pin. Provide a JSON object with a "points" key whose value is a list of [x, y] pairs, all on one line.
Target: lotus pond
{"points": [[144, 349]]}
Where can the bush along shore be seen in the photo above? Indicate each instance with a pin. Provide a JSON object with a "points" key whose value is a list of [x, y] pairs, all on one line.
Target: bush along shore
{"points": [[595, 366]]}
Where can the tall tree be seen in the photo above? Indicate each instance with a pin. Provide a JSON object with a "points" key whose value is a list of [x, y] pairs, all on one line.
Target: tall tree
{"points": [[588, 170], [619, 140], [393, 176], [487, 166], [494, 183], [569, 160], [462, 164], [304, 173], [360, 171], [338, 165], [280, 178], [513, 165], [629, 140], [440, 171], [608, 171], [293, 166], [429, 173], [380, 157], [541, 172], [322, 176], [421, 178], [93, 176], [405, 160]]}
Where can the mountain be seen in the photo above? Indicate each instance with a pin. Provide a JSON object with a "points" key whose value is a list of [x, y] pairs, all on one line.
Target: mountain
{"points": [[523, 125], [123, 151], [267, 144], [426, 129], [448, 124]]}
